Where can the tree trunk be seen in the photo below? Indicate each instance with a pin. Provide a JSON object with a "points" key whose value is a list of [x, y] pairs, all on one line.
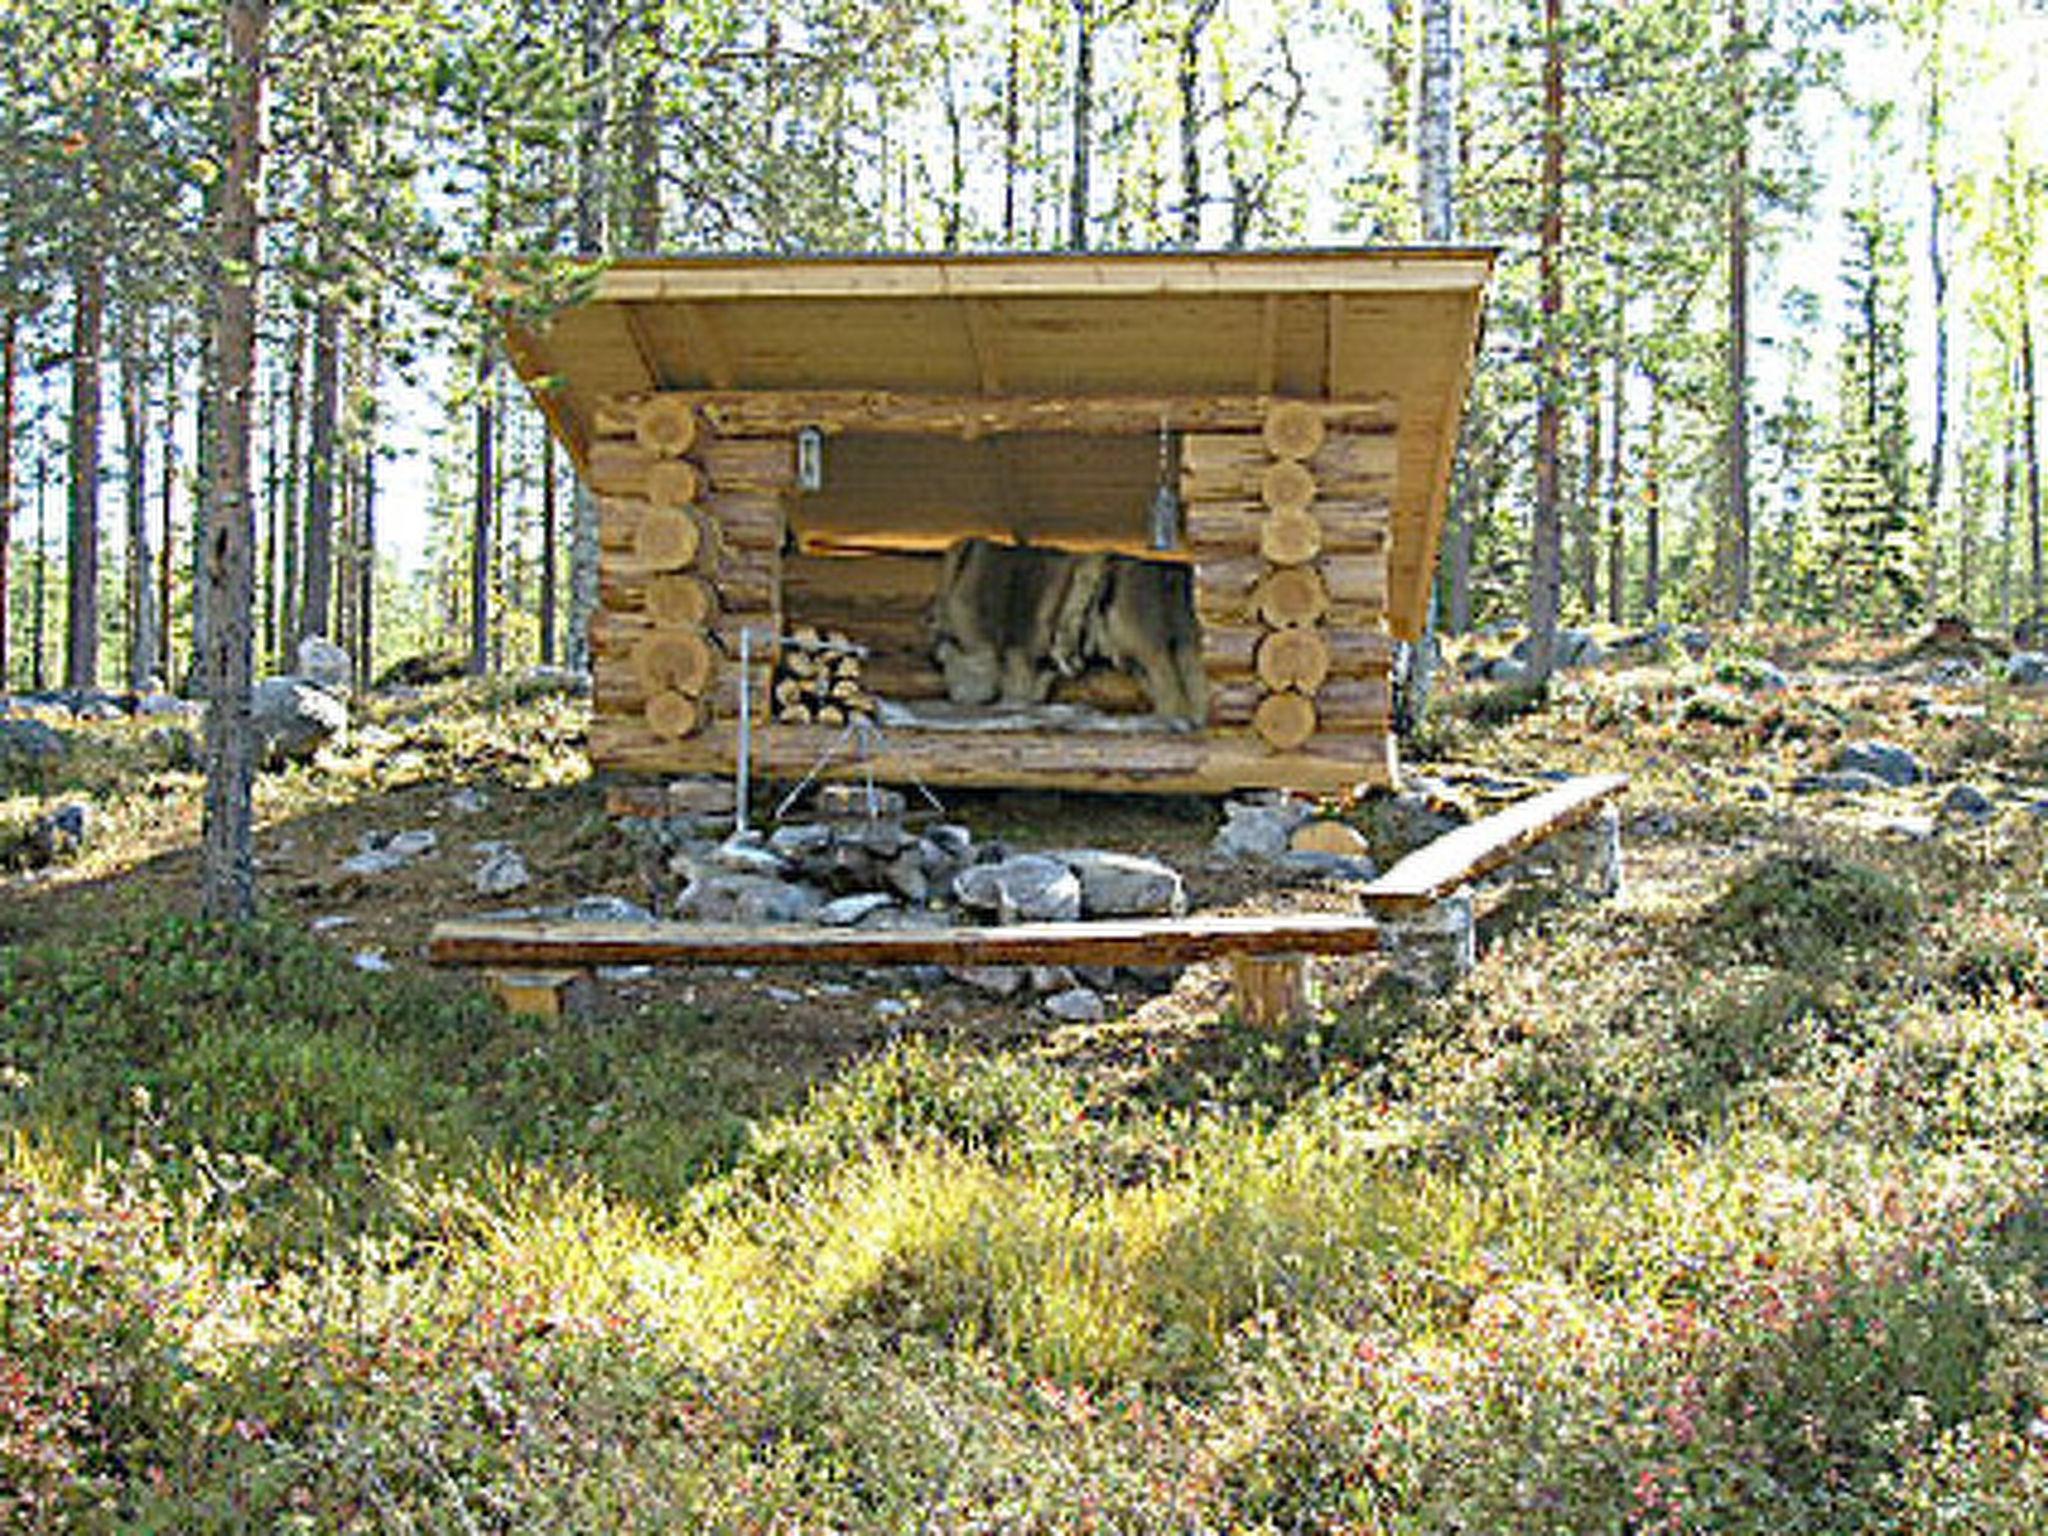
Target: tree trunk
{"points": [[167, 492], [323, 465], [227, 854], [1738, 535], [550, 513], [10, 363], [82, 547], [2030, 425], [1653, 509], [1013, 128], [1937, 266], [590, 242], [88, 335], [1546, 532], [644, 130], [483, 515], [1617, 521], [142, 626], [291, 554], [1188, 80], [362, 646], [1081, 106]]}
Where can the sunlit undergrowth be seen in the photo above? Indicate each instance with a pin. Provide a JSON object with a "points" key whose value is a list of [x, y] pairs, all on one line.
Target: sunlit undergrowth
{"points": [[1716, 1209]]}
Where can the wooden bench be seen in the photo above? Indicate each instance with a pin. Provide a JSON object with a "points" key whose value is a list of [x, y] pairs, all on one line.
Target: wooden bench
{"points": [[1421, 903]]}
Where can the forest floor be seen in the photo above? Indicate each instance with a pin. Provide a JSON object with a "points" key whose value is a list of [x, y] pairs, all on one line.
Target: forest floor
{"points": [[1715, 1207]]}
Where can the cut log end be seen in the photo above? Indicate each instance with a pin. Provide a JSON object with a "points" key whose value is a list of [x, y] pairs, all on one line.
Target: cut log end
{"points": [[1293, 430], [673, 661], [674, 483], [1290, 538], [681, 602], [1293, 597], [672, 714], [665, 425], [1296, 659], [1287, 486], [1285, 721], [669, 537]]}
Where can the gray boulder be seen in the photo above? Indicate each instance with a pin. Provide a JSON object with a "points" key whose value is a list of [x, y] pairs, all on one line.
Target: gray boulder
{"points": [[293, 718], [1968, 803], [59, 834], [1258, 829], [2027, 669], [31, 744], [502, 872], [1077, 1005], [1574, 649], [1885, 760], [1027, 888], [1126, 884], [326, 665], [717, 896], [852, 911]]}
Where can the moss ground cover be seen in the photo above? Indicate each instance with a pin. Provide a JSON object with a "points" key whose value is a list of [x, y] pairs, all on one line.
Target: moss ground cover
{"points": [[1719, 1208]]}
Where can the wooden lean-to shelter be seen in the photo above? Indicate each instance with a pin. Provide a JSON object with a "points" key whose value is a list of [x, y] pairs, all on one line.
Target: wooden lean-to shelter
{"points": [[784, 449]]}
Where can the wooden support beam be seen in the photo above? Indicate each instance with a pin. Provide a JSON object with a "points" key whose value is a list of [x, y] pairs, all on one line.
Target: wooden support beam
{"points": [[549, 995], [776, 413], [1176, 941], [1456, 859]]}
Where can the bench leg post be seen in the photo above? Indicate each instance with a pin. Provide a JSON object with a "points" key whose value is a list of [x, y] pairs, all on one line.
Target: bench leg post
{"points": [[1594, 851], [1272, 990], [1436, 948], [546, 995]]}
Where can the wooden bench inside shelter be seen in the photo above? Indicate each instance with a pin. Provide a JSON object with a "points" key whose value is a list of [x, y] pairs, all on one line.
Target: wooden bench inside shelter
{"points": [[1421, 901]]}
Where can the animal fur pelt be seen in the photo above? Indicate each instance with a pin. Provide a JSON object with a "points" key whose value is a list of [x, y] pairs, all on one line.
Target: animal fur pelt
{"points": [[1010, 620]]}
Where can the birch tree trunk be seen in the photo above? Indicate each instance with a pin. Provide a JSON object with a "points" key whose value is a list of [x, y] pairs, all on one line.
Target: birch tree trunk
{"points": [[227, 848]]}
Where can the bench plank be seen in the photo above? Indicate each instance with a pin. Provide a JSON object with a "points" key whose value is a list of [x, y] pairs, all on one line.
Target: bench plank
{"points": [[1151, 941], [1457, 858]]}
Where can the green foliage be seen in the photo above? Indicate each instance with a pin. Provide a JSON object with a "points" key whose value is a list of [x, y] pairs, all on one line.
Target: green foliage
{"points": [[1811, 911]]}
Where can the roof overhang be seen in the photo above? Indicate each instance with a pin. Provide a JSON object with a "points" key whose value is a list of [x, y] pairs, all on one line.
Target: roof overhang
{"points": [[1169, 335]]}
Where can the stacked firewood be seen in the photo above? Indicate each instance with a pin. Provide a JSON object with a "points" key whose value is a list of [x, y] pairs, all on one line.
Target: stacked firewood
{"points": [[818, 678]]}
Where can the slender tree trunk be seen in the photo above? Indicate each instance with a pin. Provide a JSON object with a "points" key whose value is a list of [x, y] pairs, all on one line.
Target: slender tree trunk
{"points": [[483, 512], [1739, 523], [1586, 530], [590, 242], [1081, 106], [39, 624], [2030, 442], [1617, 520], [142, 626], [953, 213], [291, 555], [1937, 265], [362, 649], [323, 463], [644, 130], [1653, 509], [1546, 532], [88, 336], [227, 860], [1013, 127], [1188, 80], [10, 364], [167, 492], [82, 549], [550, 513]]}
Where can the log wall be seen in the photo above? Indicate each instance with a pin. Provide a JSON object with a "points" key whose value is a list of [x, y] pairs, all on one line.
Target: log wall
{"points": [[1287, 530]]}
